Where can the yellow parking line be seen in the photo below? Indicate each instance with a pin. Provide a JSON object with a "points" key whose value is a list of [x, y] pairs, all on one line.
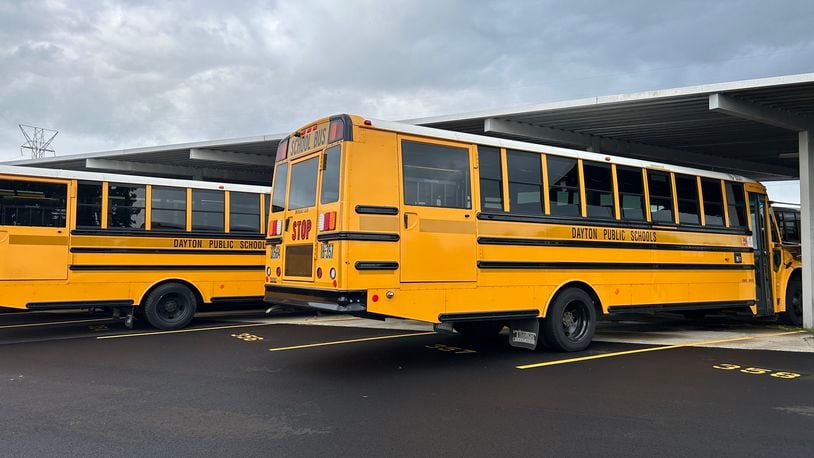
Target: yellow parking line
{"points": [[51, 323], [177, 331], [340, 342], [644, 350], [213, 328]]}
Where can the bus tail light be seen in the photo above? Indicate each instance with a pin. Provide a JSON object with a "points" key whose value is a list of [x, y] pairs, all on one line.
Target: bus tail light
{"points": [[282, 150], [326, 221], [336, 130], [276, 227]]}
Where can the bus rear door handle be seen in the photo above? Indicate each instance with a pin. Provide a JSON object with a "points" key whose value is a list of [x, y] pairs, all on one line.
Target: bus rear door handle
{"points": [[407, 216]]}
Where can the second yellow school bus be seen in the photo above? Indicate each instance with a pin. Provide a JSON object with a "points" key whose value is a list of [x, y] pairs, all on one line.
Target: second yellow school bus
{"points": [[473, 233], [126, 243]]}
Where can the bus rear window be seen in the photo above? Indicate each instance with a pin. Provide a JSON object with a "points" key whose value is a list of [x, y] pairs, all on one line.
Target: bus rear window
{"points": [[330, 175], [303, 188], [278, 196]]}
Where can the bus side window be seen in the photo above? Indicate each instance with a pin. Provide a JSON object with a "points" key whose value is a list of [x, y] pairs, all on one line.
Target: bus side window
{"points": [[208, 210], [713, 202], [126, 206], [244, 212], [435, 175], [563, 186], [169, 209], [736, 204], [491, 179], [32, 204], [631, 193], [661, 197], [89, 205], [278, 192], [687, 190], [598, 190]]}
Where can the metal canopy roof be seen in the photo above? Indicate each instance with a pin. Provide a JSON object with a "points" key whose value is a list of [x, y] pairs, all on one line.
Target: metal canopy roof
{"points": [[681, 126], [248, 160], [676, 126]]}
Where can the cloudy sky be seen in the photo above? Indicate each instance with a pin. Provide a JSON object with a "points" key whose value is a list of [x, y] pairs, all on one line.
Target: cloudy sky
{"points": [[113, 75]]}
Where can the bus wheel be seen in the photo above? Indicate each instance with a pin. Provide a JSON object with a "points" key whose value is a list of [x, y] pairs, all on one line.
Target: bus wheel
{"points": [[479, 330], [170, 306], [570, 322], [794, 304]]}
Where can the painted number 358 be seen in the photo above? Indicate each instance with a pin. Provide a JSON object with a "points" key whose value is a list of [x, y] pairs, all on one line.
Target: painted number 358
{"points": [[756, 371]]}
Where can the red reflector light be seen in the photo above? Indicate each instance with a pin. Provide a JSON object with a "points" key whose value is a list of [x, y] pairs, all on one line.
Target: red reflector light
{"points": [[275, 227], [282, 149], [279, 271], [368, 122], [375, 298], [326, 221], [319, 272], [336, 130]]}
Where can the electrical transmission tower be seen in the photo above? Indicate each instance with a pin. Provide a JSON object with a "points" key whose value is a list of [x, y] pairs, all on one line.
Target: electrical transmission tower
{"points": [[37, 141]]}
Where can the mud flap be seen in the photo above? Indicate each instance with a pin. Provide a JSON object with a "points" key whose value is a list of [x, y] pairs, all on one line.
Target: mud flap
{"points": [[524, 333], [443, 328]]}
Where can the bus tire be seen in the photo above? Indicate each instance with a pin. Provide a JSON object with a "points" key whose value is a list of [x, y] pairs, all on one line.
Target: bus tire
{"points": [[794, 303], [170, 306], [570, 322], [479, 329]]}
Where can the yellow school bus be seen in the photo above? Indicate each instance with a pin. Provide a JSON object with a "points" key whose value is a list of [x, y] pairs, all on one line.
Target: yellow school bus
{"points": [[155, 246], [474, 233]]}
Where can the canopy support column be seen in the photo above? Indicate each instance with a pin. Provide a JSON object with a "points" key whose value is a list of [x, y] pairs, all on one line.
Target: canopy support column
{"points": [[807, 222]]}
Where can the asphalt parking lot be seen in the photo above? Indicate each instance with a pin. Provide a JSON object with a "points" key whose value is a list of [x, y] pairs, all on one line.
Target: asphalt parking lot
{"points": [[242, 383]]}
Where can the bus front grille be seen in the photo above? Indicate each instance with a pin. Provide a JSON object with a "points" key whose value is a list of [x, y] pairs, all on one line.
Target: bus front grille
{"points": [[299, 260]]}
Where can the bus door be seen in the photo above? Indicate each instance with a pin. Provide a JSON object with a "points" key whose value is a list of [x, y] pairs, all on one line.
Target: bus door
{"points": [[438, 241], [300, 220], [33, 230], [761, 243]]}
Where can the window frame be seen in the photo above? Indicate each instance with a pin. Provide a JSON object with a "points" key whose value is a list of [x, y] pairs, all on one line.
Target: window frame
{"points": [[500, 181], [638, 171], [467, 149], [698, 200], [289, 193], [713, 183], [259, 214], [550, 187], [612, 190], [671, 197], [65, 215], [541, 185], [109, 207], [192, 211], [101, 204], [153, 208]]}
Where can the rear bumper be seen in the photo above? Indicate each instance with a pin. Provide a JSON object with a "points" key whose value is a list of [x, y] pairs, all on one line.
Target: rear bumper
{"points": [[319, 299]]}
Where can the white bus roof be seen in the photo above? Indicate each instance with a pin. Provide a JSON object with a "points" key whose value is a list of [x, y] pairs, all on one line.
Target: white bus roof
{"points": [[484, 140], [128, 179]]}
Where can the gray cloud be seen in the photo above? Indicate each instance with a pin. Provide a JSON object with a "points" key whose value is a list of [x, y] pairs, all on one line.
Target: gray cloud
{"points": [[122, 74]]}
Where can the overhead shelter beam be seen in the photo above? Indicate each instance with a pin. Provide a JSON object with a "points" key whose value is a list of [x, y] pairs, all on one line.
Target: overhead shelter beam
{"points": [[722, 103], [178, 170], [657, 153], [210, 155], [803, 124]]}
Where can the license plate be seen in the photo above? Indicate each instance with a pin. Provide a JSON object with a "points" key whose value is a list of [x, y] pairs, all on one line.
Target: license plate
{"points": [[326, 251], [275, 252]]}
